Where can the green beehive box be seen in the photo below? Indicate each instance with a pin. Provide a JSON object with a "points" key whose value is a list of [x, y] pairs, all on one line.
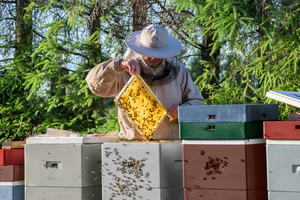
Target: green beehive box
{"points": [[221, 131]]}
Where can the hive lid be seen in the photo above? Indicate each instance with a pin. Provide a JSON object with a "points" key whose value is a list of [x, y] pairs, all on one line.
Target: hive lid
{"points": [[71, 140], [291, 98], [142, 108]]}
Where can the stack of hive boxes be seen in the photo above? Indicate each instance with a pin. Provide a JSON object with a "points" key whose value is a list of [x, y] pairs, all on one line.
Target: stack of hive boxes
{"points": [[224, 154], [142, 170], [12, 170], [63, 168], [283, 158]]}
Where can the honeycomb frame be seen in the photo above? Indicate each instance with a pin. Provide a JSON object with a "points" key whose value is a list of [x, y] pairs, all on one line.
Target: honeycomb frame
{"points": [[140, 105]]}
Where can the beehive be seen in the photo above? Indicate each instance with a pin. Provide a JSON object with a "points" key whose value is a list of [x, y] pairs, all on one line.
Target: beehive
{"points": [[11, 172], [63, 193], [11, 190], [228, 113], [210, 164], [141, 106], [279, 195], [283, 168], [55, 164], [209, 194], [287, 130], [142, 170]]}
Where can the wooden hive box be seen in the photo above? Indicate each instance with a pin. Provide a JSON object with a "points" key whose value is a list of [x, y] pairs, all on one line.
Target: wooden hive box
{"points": [[206, 194], [65, 165], [294, 117], [228, 113], [13, 190], [141, 106], [175, 193], [139, 168], [221, 131], [11, 156], [288, 130], [11, 172], [273, 195], [283, 166], [71, 140], [225, 165], [63, 193], [14, 144]]}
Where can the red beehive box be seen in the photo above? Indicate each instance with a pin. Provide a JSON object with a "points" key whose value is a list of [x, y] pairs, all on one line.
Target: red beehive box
{"points": [[205, 194], [11, 156], [12, 173], [228, 165], [287, 130]]}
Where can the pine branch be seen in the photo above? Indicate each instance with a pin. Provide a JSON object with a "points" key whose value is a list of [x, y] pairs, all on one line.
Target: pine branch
{"points": [[8, 59], [198, 45]]}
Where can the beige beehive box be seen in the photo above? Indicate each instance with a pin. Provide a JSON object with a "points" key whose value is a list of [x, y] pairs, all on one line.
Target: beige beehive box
{"points": [[141, 106]]}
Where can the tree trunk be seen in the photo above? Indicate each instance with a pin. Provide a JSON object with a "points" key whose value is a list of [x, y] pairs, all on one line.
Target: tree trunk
{"points": [[23, 27], [263, 13], [94, 24], [215, 67], [139, 14]]}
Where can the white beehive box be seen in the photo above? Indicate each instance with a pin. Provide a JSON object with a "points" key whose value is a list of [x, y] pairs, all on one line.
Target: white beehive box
{"points": [[173, 193], [140, 168], [71, 140], [283, 167], [279, 195], [65, 165], [62, 193]]}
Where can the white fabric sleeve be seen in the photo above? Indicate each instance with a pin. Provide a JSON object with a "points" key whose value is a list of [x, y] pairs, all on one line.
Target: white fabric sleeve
{"points": [[103, 79]]}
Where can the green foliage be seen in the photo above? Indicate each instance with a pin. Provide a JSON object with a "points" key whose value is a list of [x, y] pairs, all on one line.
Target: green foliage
{"points": [[260, 44], [62, 62], [18, 116], [110, 125], [195, 69], [47, 89], [42, 85]]}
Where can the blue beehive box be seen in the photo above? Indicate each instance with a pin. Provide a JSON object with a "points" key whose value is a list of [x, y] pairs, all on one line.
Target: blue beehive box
{"points": [[229, 113], [12, 190]]}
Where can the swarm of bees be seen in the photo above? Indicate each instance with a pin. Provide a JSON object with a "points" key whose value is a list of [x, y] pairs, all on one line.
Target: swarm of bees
{"points": [[127, 176], [213, 165], [141, 106]]}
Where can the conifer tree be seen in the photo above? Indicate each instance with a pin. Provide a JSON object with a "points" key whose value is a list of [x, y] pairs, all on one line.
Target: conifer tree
{"points": [[257, 41]]}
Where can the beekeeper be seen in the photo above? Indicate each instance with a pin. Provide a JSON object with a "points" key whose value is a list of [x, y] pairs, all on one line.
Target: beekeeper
{"points": [[152, 53]]}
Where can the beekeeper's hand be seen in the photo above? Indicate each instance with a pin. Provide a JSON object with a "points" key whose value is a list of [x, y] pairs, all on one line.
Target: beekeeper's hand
{"points": [[130, 66], [173, 112]]}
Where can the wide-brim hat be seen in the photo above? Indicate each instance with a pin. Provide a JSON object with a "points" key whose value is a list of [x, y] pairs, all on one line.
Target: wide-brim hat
{"points": [[154, 42]]}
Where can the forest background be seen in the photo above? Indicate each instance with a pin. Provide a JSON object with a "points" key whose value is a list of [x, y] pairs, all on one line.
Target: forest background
{"points": [[235, 51]]}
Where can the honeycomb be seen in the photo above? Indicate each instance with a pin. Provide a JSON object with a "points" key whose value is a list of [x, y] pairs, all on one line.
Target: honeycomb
{"points": [[141, 106]]}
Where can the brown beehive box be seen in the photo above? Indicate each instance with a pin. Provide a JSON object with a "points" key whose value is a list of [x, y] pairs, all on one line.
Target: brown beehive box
{"points": [[206, 194], [141, 106], [224, 165], [11, 172]]}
